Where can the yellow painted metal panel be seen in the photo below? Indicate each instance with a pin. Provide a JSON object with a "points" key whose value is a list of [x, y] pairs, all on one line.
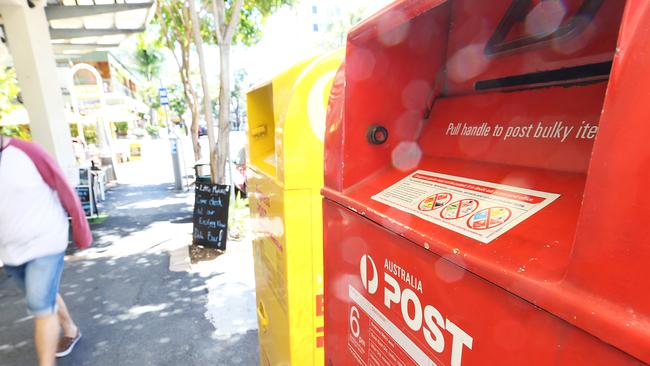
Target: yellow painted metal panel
{"points": [[286, 209], [261, 129]]}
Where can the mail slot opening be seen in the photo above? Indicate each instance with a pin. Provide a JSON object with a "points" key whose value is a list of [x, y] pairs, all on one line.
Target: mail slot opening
{"points": [[261, 128]]}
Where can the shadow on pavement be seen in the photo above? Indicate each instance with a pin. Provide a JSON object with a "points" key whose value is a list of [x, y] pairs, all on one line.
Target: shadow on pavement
{"points": [[130, 308]]}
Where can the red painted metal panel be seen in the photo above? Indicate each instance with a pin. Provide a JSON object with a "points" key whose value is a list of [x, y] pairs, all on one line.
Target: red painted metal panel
{"points": [[566, 286], [379, 90], [543, 128], [379, 285], [475, 22], [333, 157], [612, 248]]}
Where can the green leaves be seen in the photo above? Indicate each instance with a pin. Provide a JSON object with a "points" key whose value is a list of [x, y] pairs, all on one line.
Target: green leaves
{"points": [[252, 17], [176, 101], [267, 7], [9, 101], [148, 57], [9, 91], [221, 22], [18, 131], [175, 20]]}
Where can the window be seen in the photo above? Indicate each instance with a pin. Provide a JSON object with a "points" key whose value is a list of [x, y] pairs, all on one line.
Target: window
{"points": [[314, 9], [315, 27]]}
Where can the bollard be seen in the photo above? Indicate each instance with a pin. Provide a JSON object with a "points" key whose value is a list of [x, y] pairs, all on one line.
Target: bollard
{"points": [[176, 163]]}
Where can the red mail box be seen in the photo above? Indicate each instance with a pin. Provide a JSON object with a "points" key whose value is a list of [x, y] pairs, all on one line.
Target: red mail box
{"points": [[486, 168]]}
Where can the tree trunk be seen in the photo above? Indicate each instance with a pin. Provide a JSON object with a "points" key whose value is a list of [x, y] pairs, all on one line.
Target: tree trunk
{"points": [[223, 149], [153, 115], [192, 100], [237, 112], [207, 104], [183, 41], [194, 130]]}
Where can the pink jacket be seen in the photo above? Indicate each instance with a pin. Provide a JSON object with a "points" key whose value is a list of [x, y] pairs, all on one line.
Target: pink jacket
{"points": [[55, 179]]}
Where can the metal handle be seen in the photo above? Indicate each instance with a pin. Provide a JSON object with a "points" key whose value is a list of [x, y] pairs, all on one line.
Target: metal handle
{"points": [[261, 315]]}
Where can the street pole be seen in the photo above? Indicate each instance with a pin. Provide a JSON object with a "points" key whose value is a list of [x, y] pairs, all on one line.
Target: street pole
{"points": [[176, 146], [183, 166]]}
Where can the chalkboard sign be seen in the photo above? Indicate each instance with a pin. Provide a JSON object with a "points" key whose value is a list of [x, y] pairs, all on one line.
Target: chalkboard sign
{"points": [[211, 215], [86, 193], [86, 200]]}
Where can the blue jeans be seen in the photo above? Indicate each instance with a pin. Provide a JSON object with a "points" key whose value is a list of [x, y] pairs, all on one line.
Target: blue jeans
{"points": [[39, 279]]}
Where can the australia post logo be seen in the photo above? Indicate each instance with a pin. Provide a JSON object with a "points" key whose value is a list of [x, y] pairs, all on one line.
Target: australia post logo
{"points": [[369, 276], [402, 290]]}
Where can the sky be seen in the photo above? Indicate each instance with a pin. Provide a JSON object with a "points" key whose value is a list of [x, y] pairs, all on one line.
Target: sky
{"points": [[288, 37]]}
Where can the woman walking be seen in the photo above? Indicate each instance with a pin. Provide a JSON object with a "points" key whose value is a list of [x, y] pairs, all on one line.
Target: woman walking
{"points": [[35, 202]]}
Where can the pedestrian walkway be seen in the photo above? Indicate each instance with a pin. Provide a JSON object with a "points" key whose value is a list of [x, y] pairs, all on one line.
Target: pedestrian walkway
{"points": [[131, 308]]}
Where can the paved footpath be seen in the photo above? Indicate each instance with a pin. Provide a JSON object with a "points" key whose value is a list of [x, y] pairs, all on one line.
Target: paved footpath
{"points": [[132, 309]]}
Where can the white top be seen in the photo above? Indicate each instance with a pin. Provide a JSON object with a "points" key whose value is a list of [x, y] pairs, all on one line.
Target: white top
{"points": [[33, 223]]}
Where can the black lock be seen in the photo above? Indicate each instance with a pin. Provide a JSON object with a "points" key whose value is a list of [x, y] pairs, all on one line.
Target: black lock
{"points": [[377, 134]]}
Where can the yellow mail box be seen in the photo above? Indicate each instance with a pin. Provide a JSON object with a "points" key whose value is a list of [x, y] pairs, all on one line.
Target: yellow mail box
{"points": [[286, 119]]}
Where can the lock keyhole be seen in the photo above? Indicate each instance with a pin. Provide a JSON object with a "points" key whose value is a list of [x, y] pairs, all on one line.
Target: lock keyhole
{"points": [[377, 134]]}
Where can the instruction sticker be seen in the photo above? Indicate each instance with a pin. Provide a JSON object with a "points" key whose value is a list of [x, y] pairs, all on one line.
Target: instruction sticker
{"points": [[479, 210]]}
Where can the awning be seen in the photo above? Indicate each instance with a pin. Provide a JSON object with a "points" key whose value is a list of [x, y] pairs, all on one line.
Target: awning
{"points": [[82, 26]]}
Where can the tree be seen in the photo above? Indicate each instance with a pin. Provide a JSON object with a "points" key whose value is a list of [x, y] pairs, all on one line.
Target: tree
{"points": [[337, 29], [238, 99], [9, 101], [175, 22], [147, 60], [9, 91], [207, 105], [234, 21], [177, 101]]}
